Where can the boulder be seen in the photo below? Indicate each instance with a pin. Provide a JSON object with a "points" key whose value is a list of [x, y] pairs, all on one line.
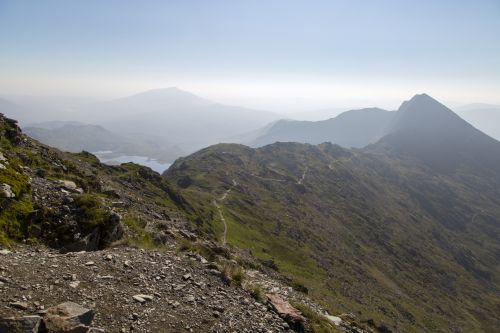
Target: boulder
{"points": [[6, 191], [68, 317], [67, 184], [111, 231], [70, 186], [26, 324], [286, 311]]}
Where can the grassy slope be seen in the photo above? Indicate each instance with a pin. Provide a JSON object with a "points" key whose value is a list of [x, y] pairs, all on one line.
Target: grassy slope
{"points": [[18, 215], [363, 232]]}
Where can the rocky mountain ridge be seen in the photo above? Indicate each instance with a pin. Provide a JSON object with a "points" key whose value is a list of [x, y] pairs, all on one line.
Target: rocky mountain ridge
{"points": [[421, 236], [122, 251]]}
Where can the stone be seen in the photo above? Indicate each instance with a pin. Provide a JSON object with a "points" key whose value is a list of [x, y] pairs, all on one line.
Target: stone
{"points": [[95, 330], [90, 263], [19, 305], [26, 324], [5, 251], [334, 319], [6, 191], [67, 185], [68, 317], [111, 231], [287, 312], [74, 284], [142, 298], [186, 277]]}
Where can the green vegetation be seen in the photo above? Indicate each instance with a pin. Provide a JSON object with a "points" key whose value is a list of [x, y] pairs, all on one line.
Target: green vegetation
{"points": [[257, 292], [233, 273], [361, 233], [14, 212], [316, 322], [137, 236], [91, 209]]}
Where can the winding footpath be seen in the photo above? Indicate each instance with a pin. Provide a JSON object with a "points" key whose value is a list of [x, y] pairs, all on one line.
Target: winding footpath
{"points": [[219, 209]]}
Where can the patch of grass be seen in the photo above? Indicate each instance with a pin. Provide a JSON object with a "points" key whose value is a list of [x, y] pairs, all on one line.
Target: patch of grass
{"points": [[92, 211], [233, 273], [257, 292], [316, 322], [14, 212], [138, 237]]}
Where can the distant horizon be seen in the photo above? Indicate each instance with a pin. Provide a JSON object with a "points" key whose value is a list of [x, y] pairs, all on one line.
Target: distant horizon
{"points": [[333, 107]]}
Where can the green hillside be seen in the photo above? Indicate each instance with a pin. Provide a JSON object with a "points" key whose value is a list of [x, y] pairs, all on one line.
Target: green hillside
{"points": [[365, 231]]}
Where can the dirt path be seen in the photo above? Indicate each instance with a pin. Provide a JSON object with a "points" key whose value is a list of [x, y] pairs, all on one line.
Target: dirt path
{"points": [[270, 179], [303, 176], [219, 209]]}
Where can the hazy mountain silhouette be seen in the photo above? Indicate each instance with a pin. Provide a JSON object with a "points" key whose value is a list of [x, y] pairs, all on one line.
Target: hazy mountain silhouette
{"points": [[356, 128], [75, 137], [180, 117], [431, 132]]}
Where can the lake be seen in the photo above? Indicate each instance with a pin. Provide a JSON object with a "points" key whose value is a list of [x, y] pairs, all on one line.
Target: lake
{"points": [[108, 157]]}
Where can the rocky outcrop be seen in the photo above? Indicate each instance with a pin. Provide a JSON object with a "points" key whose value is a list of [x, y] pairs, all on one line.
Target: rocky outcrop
{"points": [[68, 317], [25, 324], [286, 311]]}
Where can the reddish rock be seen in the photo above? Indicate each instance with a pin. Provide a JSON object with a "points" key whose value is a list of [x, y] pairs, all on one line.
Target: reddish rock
{"points": [[286, 311]]}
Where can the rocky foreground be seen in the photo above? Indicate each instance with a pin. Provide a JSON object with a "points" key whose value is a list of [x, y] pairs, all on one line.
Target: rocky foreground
{"points": [[131, 290]]}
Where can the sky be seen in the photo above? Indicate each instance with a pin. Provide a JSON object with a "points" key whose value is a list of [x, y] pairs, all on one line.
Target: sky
{"points": [[269, 54]]}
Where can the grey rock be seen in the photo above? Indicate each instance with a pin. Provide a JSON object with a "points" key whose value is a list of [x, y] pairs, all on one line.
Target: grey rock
{"points": [[68, 317], [26, 324], [19, 305]]}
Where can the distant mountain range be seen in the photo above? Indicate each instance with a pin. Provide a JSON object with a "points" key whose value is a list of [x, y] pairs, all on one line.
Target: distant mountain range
{"points": [[185, 122], [175, 117], [404, 231], [356, 128], [180, 117], [76, 137]]}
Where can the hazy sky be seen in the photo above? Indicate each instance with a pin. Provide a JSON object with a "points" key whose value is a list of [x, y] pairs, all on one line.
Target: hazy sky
{"points": [[268, 54]]}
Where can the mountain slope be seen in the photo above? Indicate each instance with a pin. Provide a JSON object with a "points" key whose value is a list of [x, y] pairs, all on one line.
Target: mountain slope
{"points": [[378, 231], [57, 209], [428, 130], [356, 128]]}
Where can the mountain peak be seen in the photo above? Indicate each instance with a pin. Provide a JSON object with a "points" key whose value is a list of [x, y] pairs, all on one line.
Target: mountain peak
{"points": [[427, 129], [424, 113], [422, 102]]}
